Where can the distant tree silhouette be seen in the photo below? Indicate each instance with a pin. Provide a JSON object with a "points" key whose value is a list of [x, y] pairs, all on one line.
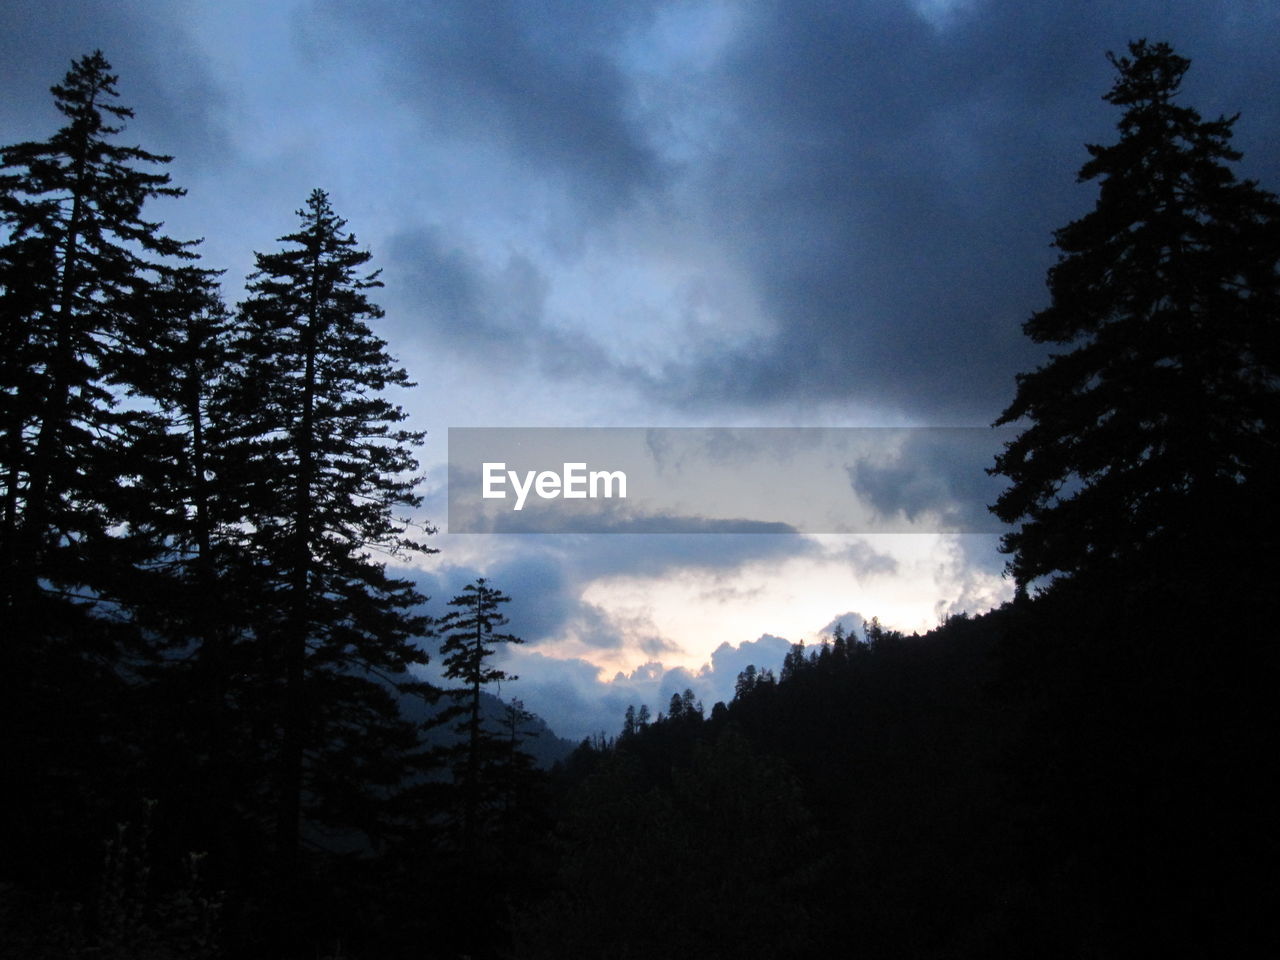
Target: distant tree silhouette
{"points": [[692, 706], [794, 662], [675, 709], [1159, 417], [684, 707], [879, 635], [840, 644], [470, 636], [629, 728]]}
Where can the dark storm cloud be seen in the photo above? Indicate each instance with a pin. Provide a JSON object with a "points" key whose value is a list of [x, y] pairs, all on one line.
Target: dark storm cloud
{"points": [[938, 474], [867, 561], [495, 315], [163, 77], [894, 184], [539, 78], [889, 183], [543, 600], [567, 694]]}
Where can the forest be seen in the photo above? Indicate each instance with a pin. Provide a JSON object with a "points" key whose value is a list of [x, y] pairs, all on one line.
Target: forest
{"points": [[218, 741]]}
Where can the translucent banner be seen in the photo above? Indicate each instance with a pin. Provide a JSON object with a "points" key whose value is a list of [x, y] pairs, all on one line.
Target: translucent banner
{"points": [[723, 480]]}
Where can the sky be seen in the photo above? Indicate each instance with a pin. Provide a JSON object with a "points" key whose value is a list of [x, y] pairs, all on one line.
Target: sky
{"points": [[663, 214]]}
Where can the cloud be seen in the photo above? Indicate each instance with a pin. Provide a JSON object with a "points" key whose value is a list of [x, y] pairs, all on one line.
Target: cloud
{"points": [[883, 177], [971, 572], [858, 200], [892, 187], [546, 577], [866, 560], [728, 661], [888, 175], [539, 81], [494, 317], [935, 474], [163, 74], [462, 305], [608, 518], [569, 695], [853, 624]]}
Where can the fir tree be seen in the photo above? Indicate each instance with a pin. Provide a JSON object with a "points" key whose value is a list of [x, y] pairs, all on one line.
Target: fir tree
{"points": [[81, 270], [1158, 420], [794, 662], [692, 706], [323, 465], [199, 592], [470, 638], [675, 709], [840, 645], [80, 265]]}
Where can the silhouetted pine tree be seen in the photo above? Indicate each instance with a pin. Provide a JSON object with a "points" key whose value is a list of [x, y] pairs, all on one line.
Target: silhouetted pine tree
{"points": [[794, 663], [629, 728], [470, 638], [80, 270], [1144, 483], [675, 709], [80, 266], [322, 465], [746, 683], [1159, 419], [201, 753], [840, 645]]}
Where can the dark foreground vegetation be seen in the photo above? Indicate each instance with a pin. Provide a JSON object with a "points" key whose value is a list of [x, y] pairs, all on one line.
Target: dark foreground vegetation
{"points": [[215, 743]]}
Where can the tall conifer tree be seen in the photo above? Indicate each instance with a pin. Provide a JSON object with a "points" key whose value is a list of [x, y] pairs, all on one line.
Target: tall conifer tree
{"points": [[471, 635], [323, 466], [1158, 422], [80, 271], [197, 591], [80, 265]]}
